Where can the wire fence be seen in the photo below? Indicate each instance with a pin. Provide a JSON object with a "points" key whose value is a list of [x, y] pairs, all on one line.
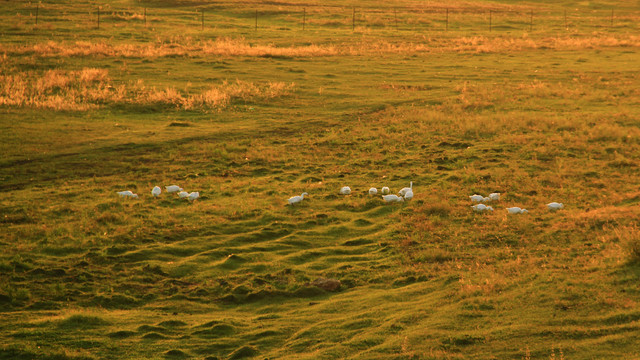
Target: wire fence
{"points": [[317, 18]]}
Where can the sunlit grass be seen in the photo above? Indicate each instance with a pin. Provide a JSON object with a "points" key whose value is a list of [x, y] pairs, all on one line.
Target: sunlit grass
{"points": [[250, 119], [91, 88]]}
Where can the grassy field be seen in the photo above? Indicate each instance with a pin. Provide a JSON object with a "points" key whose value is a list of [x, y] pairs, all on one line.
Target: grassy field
{"points": [[540, 113]]}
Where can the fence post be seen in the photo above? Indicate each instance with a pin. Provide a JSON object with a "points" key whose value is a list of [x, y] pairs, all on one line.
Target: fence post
{"points": [[37, 6], [489, 20], [256, 20], [353, 21], [395, 17], [304, 17], [447, 24], [611, 18], [145, 17]]}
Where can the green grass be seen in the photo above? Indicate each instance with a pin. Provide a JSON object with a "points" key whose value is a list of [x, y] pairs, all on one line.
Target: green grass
{"points": [[550, 115]]}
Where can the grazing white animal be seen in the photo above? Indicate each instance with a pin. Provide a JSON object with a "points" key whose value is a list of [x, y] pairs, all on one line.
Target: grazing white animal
{"points": [[486, 199], [392, 198], [555, 206], [296, 199], [173, 188], [516, 210], [194, 195], [481, 208], [385, 190], [476, 198], [494, 196], [373, 191], [128, 193], [345, 190], [489, 208], [408, 195], [183, 194], [156, 191], [404, 190]]}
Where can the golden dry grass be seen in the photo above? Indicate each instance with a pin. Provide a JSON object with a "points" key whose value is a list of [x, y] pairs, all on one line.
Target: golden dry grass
{"points": [[231, 47], [91, 88]]}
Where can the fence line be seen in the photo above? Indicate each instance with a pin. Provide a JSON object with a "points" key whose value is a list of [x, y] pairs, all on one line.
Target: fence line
{"points": [[416, 19]]}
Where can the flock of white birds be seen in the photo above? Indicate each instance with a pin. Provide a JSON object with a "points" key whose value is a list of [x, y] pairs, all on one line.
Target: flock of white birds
{"points": [[407, 194], [404, 194], [511, 210], [156, 191]]}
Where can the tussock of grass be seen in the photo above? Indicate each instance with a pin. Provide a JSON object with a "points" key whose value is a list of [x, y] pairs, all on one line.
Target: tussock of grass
{"points": [[82, 322]]}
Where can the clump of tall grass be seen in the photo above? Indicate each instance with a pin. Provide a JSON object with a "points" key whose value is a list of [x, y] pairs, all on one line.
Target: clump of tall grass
{"points": [[634, 250], [126, 16], [629, 236], [217, 96], [55, 89], [237, 47], [91, 88]]}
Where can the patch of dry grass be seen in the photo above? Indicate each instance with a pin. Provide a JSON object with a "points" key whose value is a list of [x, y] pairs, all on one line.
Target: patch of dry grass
{"points": [[177, 46], [239, 47], [226, 46], [127, 16], [91, 88]]}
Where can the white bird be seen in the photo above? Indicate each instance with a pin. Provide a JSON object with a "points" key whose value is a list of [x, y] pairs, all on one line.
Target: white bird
{"points": [[345, 190], [128, 193], [555, 206], [408, 195], [194, 195], [476, 198], [494, 196], [516, 210], [296, 199], [373, 191], [183, 194], [173, 188], [385, 190], [480, 208], [156, 191], [392, 198], [404, 190]]}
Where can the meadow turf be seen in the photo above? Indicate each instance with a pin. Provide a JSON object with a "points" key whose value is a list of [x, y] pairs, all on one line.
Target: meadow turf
{"points": [[250, 118]]}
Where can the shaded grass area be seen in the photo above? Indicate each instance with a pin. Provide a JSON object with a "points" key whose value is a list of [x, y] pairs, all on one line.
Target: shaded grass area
{"points": [[85, 274]]}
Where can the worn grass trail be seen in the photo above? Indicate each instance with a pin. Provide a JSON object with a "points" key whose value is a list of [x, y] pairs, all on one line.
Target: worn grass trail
{"points": [[85, 274]]}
